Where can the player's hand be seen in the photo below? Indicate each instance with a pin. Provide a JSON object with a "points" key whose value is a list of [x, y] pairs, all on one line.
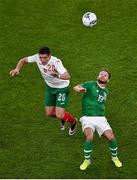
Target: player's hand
{"points": [[82, 90], [55, 74], [14, 72], [79, 89]]}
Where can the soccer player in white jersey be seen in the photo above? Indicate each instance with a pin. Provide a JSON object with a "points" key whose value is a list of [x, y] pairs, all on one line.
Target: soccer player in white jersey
{"points": [[57, 82]]}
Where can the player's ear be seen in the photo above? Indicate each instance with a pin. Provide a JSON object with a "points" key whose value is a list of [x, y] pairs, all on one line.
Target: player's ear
{"points": [[108, 80]]}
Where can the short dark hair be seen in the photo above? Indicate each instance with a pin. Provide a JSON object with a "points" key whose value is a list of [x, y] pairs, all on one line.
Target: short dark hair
{"points": [[109, 75], [44, 50]]}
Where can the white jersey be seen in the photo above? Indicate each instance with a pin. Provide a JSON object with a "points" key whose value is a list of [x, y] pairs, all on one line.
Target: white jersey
{"points": [[46, 70]]}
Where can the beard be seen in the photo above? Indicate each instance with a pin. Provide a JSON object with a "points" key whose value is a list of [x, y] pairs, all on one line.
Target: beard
{"points": [[102, 82]]}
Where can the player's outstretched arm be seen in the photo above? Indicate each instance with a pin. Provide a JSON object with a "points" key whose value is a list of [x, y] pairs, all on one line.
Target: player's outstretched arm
{"points": [[79, 89], [16, 71]]}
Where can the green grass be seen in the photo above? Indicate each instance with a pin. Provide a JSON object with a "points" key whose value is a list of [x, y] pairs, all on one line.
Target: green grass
{"points": [[31, 145]]}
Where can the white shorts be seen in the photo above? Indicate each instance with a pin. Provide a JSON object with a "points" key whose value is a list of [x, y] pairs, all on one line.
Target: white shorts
{"points": [[98, 123]]}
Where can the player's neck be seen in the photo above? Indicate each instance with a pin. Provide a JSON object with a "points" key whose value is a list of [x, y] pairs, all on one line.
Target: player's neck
{"points": [[44, 63], [102, 85]]}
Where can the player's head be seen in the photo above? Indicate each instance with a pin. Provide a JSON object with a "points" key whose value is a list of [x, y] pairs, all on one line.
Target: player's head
{"points": [[104, 76], [44, 54]]}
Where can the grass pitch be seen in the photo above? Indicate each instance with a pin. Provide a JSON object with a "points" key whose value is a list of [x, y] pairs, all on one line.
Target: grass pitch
{"points": [[32, 145]]}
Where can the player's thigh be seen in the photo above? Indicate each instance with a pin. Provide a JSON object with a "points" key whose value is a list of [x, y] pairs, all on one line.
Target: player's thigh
{"points": [[50, 111], [87, 122], [89, 133], [102, 125], [60, 112], [62, 97], [108, 134]]}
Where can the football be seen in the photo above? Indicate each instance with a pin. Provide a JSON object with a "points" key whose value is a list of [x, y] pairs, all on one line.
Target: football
{"points": [[89, 19]]}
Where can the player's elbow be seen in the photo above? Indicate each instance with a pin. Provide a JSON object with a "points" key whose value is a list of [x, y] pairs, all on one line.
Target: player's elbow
{"points": [[68, 77], [24, 61], [65, 76]]}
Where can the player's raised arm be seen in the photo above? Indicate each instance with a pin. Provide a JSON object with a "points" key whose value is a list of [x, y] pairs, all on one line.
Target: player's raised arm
{"points": [[79, 89], [16, 71]]}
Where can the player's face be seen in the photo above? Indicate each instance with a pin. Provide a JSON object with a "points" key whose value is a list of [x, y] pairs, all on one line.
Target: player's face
{"points": [[103, 77], [44, 58]]}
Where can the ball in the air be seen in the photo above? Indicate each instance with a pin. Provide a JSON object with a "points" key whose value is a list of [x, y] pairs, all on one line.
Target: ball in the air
{"points": [[89, 19]]}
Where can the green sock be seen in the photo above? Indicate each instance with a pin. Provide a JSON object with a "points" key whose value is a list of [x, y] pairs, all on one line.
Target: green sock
{"points": [[87, 149], [113, 148]]}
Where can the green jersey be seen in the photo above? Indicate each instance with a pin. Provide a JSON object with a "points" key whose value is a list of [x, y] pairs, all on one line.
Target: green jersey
{"points": [[93, 101]]}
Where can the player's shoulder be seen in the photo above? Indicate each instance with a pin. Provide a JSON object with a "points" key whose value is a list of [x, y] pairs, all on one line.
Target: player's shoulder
{"points": [[55, 59], [92, 82], [33, 58], [88, 84], [35, 55]]}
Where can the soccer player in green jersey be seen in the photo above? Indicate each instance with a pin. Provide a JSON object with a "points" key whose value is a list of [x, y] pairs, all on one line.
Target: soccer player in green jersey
{"points": [[57, 82], [93, 116]]}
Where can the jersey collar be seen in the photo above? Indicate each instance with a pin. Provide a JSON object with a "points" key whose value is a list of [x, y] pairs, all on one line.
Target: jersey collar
{"points": [[100, 86], [46, 63]]}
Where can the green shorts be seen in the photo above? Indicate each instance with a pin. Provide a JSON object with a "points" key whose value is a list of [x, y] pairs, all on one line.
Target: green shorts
{"points": [[56, 96]]}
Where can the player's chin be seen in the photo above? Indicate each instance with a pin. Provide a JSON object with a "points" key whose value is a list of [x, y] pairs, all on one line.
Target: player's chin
{"points": [[102, 81]]}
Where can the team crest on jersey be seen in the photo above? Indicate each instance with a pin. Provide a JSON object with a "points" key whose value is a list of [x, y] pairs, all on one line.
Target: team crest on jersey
{"points": [[103, 97]]}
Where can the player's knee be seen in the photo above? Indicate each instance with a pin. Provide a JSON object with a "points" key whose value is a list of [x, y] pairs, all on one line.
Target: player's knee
{"points": [[50, 114], [60, 115], [89, 138], [111, 137], [88, 134]]}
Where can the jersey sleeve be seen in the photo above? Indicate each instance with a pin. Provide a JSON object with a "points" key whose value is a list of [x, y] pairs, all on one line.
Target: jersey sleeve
{"points": [[32, 58], [59, 67], [85, 85]]}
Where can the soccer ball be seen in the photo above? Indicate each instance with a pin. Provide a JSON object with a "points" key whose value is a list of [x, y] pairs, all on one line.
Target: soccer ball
{"points": [[89, 19]]}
